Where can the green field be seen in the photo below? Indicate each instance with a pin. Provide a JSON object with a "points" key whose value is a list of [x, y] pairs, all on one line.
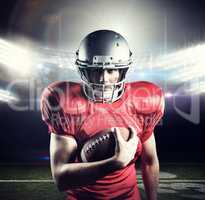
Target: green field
{"points": [[34, 182]]}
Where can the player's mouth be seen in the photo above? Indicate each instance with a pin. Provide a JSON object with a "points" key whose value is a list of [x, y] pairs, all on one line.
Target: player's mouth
{"points": [[106, 93], [104, 88]]}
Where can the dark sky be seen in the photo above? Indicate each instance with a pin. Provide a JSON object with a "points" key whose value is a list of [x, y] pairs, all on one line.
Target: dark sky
{"points": [[190, 9], [183, 15], [6, 8]]}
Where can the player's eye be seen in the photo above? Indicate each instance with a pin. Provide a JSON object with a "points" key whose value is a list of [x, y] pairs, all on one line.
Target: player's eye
{"points": [[110, 71]]}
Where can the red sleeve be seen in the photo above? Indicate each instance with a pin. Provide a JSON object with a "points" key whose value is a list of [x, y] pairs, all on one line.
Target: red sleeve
{"points": [[53, 114], [153, 118]]}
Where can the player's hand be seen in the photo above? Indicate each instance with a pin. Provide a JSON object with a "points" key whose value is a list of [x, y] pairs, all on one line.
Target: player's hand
{"points": [[125, 150]]}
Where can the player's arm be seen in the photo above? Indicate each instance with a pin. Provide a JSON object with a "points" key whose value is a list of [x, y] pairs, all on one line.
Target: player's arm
{"points": [[68, 174], [150, 168]]}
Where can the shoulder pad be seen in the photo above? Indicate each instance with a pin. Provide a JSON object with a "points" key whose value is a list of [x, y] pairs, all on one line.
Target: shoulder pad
{"points": [[147, 97], [68, 95]]}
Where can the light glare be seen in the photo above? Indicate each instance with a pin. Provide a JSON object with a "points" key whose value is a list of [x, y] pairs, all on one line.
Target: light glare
{"points": [[7, 96]]}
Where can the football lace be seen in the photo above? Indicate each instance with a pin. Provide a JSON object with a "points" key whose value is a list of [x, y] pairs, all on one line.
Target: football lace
{"points": [[98, 140]]}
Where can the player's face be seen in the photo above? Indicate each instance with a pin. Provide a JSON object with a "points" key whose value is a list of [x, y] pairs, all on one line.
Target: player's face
{"points": [[107, 76], [104, 80]]}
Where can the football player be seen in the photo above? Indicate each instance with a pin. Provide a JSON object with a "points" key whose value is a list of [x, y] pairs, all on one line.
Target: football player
{"points": [[74, 112]]}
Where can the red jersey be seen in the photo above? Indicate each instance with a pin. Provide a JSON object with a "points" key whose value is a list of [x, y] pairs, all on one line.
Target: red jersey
{"points": [[68, 112]]}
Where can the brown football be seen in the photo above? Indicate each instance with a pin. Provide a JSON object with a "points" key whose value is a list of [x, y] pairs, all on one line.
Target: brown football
{"points": [[102, 145]]}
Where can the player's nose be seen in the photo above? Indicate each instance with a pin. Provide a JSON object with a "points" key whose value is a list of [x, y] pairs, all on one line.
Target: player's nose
{"points": [[105, 76]]}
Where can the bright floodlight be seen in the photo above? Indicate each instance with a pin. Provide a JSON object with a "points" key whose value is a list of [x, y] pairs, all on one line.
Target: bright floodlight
{"points": [[15, 57], [7, 96], [168, 94], [183, 65], [197, 87]]}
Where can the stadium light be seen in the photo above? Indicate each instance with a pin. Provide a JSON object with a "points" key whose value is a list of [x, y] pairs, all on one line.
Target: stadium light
{"points": [[15, 57], [7, 96], [168, 95], [185, 57], [197, 87]]}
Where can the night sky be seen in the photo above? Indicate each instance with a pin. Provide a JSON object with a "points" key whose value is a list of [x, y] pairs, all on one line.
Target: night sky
{"points": [[24, 137]]}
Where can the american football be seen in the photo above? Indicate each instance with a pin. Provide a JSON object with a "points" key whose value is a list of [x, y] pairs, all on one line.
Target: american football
{"points": [[102, 145]]}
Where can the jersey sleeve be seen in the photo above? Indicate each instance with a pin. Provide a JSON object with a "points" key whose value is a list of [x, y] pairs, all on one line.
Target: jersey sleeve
{"points": [[152, 118], [53, 114]]}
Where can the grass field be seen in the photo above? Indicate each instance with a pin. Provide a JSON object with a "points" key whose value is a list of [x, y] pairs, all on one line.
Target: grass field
{"points": [[34, 182]]}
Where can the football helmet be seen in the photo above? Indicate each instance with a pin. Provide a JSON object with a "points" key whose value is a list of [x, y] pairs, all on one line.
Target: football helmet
{"points": [[98, 51]]}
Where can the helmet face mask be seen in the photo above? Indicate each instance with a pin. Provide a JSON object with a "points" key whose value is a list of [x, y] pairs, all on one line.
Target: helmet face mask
{"points": [[99, 51], [99, 93]]}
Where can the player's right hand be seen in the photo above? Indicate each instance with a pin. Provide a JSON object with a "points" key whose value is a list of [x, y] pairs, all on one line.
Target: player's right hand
{"points": [[125, 150]]}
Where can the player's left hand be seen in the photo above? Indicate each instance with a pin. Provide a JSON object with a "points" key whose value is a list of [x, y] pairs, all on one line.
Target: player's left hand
{"points": [[125, 150]]}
